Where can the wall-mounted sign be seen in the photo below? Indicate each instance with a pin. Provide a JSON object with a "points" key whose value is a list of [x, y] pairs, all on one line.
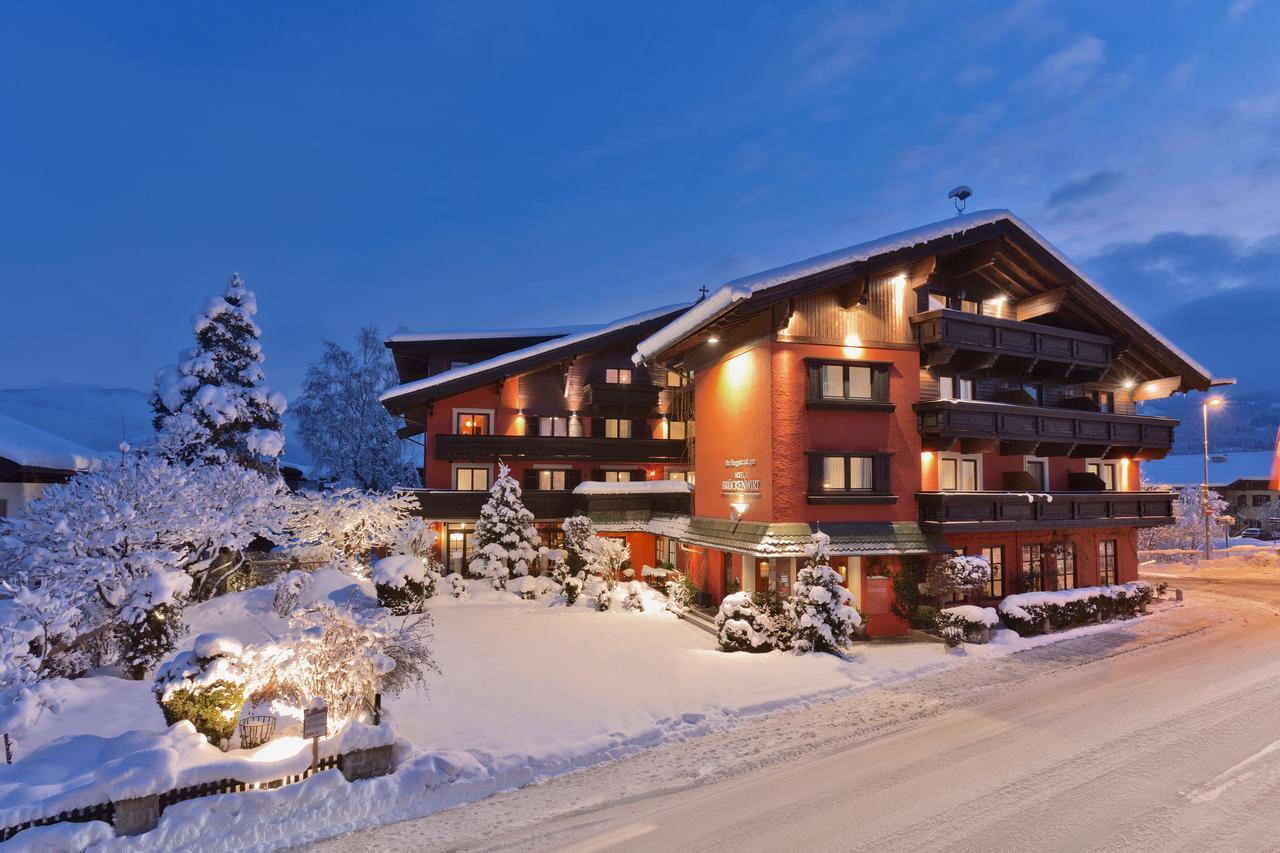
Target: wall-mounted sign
{"points": [[740, 484], [739, 463]]}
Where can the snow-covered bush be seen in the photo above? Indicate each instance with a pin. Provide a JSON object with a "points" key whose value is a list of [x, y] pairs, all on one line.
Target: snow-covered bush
{"points": [[524, 586], [578, 530], [349, 523], [572, 588], [218, 386], [821, 607], [349, 434], [456, 585], [341, 656], [959, 574], [742, 626], [289, 588], [506, 540], [205, 685], [953, 636], [607, 556], [1037, 612], [418, 537], [973, 622], [682, 593], [403, 583], [635, 597]]}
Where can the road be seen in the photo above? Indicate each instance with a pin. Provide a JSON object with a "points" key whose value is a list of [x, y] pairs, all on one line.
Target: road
{"points": [[1163, 735]]}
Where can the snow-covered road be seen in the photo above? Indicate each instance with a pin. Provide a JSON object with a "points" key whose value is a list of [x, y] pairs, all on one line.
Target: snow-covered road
{"points": [[1158, 735]]}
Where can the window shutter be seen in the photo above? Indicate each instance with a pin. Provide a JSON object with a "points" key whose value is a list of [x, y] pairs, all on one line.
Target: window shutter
{"points": [[815, 382], [572, 478], [880, 384], [598, 475], [880, 474], [597, 427], [815, 474], [530, 479], [639, 428]]}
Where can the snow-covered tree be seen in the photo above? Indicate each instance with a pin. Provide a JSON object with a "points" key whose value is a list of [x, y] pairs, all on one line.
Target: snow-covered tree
{"points": [[218, 386], [120, 549], [349, 434], [607, 556], [1187, 530], [349, 523], [958, 574], [822, 609], [506, 540], [578, 531]]}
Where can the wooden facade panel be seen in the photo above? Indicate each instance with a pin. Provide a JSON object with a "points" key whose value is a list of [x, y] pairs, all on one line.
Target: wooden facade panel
{"points": [[820, 318], [1089, 430], [1058, 427]]}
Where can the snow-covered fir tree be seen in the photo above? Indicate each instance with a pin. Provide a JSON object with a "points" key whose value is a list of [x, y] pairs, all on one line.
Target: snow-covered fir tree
{"points": [[219, 385], [350, 435], [821, 608], [506, 541], [578, 531]]}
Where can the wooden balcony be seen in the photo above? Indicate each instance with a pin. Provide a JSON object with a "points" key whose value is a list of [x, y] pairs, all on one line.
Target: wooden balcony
{"points": [[979, 344], [546, 448], [619, 400], [964, 511], [978, 427], [447, 504]]}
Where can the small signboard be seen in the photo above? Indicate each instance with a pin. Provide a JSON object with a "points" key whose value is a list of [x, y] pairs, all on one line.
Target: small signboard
{"points": [[877, 595], [315, 722]]}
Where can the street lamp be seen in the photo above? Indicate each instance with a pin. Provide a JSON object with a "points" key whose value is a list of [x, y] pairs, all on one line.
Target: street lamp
{"points": [[1215, 402]]}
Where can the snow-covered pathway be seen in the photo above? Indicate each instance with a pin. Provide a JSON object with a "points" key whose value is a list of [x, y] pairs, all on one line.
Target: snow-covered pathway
{"points": [[1160, 735]]}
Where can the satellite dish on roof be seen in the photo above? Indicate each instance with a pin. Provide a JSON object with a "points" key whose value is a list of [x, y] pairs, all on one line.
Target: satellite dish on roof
{"points": [[960, 194]]}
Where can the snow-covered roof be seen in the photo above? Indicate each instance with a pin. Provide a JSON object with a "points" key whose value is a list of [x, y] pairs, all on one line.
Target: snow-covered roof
{"points": [[516, 356], [723, 299], [639, 487], [35, 448], [542, 332], [1188, 468]]}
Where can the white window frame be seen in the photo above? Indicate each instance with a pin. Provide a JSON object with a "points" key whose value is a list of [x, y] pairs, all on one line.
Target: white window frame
{"points": [[489, 413], [952, 387], [959, 459], [456, 466], [1103, 464], [550, 478], [616, 476]]}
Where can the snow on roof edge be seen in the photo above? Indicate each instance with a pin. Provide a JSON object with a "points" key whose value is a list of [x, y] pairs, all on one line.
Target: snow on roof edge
{"points": [[33, 447], [533, 332], [639, 487], [527, 352]]}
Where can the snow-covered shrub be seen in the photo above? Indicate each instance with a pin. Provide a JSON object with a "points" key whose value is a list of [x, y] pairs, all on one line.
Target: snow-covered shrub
{"points": [[682, 593], [578, 530], [635, 597], [218, 387], [349, 524], [742, 626], [572, 588], [1036, 612], [973, 621], [457, 585], [825, 619], [506, 540], [205, 685], [953, 636], [607, 556], [403, 583], [418, 537], [341, 656], [958, 574], [289, 588], [524, 586], [349, 434]]}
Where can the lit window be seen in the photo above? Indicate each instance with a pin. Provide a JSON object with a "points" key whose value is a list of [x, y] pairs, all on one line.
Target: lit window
{"points": [[617, 376], [958, 473], [471, 423], [617, 476], [1065, 557], [1033, 567], [551, 480], [995, 556], [845, 474], [1106, 471], [677, 429], [833, 473], [471, 479], [849, 382], [955, 388], [674, 380], [617, 428], [553, 426], [1108, 572]]}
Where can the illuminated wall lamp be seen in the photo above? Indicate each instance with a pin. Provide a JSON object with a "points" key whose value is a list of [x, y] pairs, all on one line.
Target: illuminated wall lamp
{"points": [[737, 509]]}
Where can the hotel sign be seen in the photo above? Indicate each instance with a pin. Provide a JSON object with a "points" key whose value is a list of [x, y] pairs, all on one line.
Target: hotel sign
{"points": [[740, 483]]}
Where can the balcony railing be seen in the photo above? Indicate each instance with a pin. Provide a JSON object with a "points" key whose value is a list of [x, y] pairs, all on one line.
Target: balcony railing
{"points": [[547, 504], [978, 343], [476, 448], [979, 426], [622, 400], [958, 511]]}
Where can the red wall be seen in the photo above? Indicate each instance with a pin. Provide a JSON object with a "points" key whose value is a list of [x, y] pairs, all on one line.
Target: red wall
{"points": [[1086, 551], [733, 400]]}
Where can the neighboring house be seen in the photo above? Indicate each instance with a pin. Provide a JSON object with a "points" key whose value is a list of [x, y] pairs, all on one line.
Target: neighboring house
{"points": [[1244, 479], [957, 387], [31, 459]]}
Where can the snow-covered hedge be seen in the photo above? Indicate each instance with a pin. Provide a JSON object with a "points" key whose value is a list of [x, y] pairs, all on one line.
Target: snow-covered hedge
{"points": [[1037, 612], [205, 685], [973, 622], [742, 626]]}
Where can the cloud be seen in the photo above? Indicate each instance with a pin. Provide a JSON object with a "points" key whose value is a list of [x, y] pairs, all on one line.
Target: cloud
{"points": [[1070, 69], [834, 44], [1240, 8], [1080, 189]]}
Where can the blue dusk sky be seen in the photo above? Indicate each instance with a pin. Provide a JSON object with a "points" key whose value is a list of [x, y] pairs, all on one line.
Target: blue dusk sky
{"points": [[484, 165]]}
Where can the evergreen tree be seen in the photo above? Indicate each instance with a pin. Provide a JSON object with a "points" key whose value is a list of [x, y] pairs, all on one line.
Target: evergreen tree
{"points": [[216, 391], [821, 608], [350, 435], [578, 532], [506, 541]]}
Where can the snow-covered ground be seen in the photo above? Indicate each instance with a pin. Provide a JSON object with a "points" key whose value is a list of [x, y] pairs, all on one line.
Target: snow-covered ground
{"points": [[526, 692]]}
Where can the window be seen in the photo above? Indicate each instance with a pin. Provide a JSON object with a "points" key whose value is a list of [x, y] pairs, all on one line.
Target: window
{"points": [[470, 479], [1039, 470], [684, 475], [471, 423], [617, 428], [1106, 400], [678, 430], [1065, 557], [553, 426], [459, 542], [1033, 567], [618, 476], [936, 301], [995, 556], [617, 376], [551, 479], [970, 306], [844, 474], [958, 473], [674, 379], [1035, 391], [1105, 470], [1107, 571], [858, 383], [955, 388]]}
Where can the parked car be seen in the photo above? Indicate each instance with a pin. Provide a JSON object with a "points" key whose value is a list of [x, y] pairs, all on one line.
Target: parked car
{"points": [[1255, 533]]}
